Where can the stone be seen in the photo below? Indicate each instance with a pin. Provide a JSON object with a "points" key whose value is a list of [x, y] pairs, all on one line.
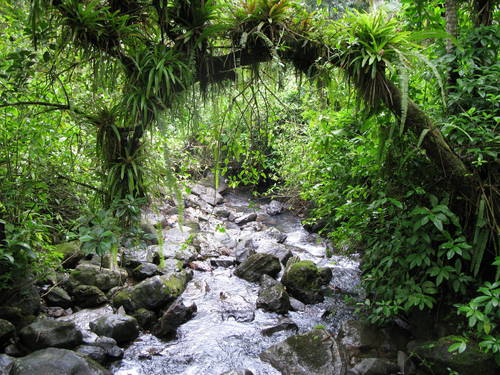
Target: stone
{"points": [[135, 256], [274, 208], [315, 352], [245, 218], [93, 352], [244, 249], [284, 325], [23, 296], [56, 361], [44, 333], [234, 306], [103, 278], [6, 362], [238, 371], [16, 316], [145, 270], [303, 281], [296, 305], [145, 318], [176, 315], [273, 296], [207, 194], [435, 353], [257, 265], [89, 296], [325, 275], [122, 328], [14, 350], [374, 366], [72, 253], [280, 251], [109, 345], [153, 293], [7, 330], [58, 297], [223, 261]]}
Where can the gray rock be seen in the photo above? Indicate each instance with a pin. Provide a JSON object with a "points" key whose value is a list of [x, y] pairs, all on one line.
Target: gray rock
{"points": [[72, 253], [122, 328], [145, 270], [244, 249], [222, 212], [135, 256], [93, 352], [223, 261], [234, 306], [176, 315], [7, 330], [16, 316], [280, 251], [44, 333], [296, 305], [239, 371], [6, 363], [303, 281], [315, 352], [145, 318], [56, 361], [152, 294], [274, 208], [246, 218], [58, 297], [109, 345], [284, 325], [374, 366], [103, 278], [14, 350], [257, 265], [89, 296], [273, 296]]}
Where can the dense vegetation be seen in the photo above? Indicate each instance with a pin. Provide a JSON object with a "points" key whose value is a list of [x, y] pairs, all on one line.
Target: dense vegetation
{"points": [[383, 123]]}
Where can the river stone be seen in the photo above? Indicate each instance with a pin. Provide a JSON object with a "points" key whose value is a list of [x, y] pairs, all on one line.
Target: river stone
{"points": [[122, 328], [89, 296], [152, 294], [280, 251], [145, 318], [56, 361], [135, 256], [7, 330], [207, 194], [44, 333], [72, 253], [273, 296], [93, 352], [257, 265], [435, 353], [144, 271], [103, 278], [109, 345], [6, 362], [58, 297], [303, 281], [239, 371], [244, 249], [24, 296], [274, 208], [285, 324], [245, 218], [176, 315], [296, 305], [374, 366], [315, 352]]}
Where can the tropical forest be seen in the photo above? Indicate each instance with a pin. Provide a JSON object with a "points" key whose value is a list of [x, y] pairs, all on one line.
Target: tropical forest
{"points": [[249, 187]]}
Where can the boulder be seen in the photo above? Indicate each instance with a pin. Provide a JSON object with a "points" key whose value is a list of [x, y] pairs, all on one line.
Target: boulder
{"points": [[7, 330], [374, 366], [122, 328], [274, 208], [6, 362], [88, 296], [135, 256], [238, 371], [110, 347], [244, 249], [103, 278], [56, 361], [315, 352], [16, 316], [145, 318], [152, 294], [303, 281], [71, 252], [176, 314], [145, 270], [280, 251], [44, 333], [284, 325], [257, 265], [207, 194], [223, 261], [245, 218], [58, 297], [273, 296], [435, 354], [93, 352]]}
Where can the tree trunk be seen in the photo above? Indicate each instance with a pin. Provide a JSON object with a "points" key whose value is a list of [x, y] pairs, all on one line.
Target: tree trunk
{"points": [[483, 10], [452, 29]]}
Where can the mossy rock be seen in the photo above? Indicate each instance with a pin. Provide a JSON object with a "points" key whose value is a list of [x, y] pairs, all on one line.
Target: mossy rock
{"points": [[303, 281], [7, 330], [71, 253], [435, 354], [103, 278], [257, 265]]}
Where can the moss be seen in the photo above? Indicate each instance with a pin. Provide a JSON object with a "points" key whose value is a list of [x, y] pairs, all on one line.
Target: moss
{"points": [[310, 347], [175, 284]]}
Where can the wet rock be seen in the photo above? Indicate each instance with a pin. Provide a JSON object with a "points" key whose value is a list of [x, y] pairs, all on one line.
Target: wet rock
{"points": [[58, 297], [245, 218], [16, 316], [244, 249], [315, 352], [192, 200], [6, 363], [152, 294], [284, 325], [56, 361], [236, 307], [202, 266], [89, 296], [222, 212], [135, 256], [176, 315], [405, 364], [325, 275], [144, 271], [207, 194], [257, 265], [24, 297], [274, 208], [170, 266], [145, 318], [72, 253], [435, 353], [44, 333], [122, 328], [296, 305], [93, 352], [110, 347], [374, 366], [239, 371], [7, 330], [273, 296], [280, 251], [103, 278], [178, 244], [14, 350], [223, 261], [303, 281]]}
